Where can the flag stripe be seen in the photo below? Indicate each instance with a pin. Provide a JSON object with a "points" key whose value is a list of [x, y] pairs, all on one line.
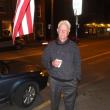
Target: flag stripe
{"points": [[32, 8], [24, 25], [20, 31], [18, 2], [20, 17], [24, 18], [18, 7], [29, 20]]}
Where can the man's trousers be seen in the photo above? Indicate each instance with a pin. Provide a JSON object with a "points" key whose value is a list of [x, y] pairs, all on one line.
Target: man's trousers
{"points": [[69, 91]]}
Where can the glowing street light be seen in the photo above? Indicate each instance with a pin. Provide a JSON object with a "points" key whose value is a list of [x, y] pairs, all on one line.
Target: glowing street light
{"points": [[77, 7]]}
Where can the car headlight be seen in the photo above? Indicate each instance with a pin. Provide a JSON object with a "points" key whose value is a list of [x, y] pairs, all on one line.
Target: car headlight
{"points": [[43, 73]]}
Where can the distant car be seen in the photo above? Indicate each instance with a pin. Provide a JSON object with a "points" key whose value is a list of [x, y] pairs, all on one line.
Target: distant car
{"points": [[20, 83], [7, 43]]}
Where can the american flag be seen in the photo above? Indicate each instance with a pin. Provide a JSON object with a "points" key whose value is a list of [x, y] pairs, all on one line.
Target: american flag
{"points": [[24, 18]]}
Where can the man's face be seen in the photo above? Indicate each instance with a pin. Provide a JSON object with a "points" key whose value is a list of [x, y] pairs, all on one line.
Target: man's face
{"points": [[63, 32]]}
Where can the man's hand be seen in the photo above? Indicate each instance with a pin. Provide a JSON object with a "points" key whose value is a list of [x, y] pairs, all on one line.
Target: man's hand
{"points": [[56, 63]]}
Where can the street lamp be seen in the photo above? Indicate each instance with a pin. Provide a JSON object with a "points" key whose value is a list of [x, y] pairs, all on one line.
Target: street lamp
{"points": [[77, 7]]}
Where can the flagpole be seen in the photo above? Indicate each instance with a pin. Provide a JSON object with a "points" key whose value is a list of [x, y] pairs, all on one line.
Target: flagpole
{"points": [[52, 19]]}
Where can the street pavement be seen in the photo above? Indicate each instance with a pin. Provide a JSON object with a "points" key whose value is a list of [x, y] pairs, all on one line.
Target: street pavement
{"points": [[92, 96], [95, 96], [26, 52]]}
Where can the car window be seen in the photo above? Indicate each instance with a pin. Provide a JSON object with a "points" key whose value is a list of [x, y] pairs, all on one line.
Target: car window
{"points": [[3, 68]]}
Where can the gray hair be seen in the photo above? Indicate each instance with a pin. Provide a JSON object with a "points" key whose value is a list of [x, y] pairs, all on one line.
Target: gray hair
{"points": [[66, 22]]}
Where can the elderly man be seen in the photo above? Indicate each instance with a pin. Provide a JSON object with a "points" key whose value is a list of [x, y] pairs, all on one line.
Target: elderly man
{"points": [[62, 60]]}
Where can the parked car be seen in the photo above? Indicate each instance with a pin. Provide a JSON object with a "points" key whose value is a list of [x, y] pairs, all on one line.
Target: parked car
{"points": [[20, 83], [7, 43]]}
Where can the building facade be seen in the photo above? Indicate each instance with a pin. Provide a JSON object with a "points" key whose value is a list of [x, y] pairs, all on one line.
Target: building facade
{"points": [[7, 11]]}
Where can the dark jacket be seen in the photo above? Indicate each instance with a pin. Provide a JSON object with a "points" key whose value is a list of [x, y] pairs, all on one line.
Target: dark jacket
{"points": [[69, 54]]}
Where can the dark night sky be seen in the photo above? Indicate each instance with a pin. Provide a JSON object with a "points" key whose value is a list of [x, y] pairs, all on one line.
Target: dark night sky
{"points": [[97, 10], [92, 10]]}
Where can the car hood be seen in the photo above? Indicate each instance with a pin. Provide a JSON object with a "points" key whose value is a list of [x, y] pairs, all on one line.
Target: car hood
{"points": [[18, 67]]}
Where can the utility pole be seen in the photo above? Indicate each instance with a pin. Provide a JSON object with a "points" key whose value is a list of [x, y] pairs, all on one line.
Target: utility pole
{"points": [[77, 26]]}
